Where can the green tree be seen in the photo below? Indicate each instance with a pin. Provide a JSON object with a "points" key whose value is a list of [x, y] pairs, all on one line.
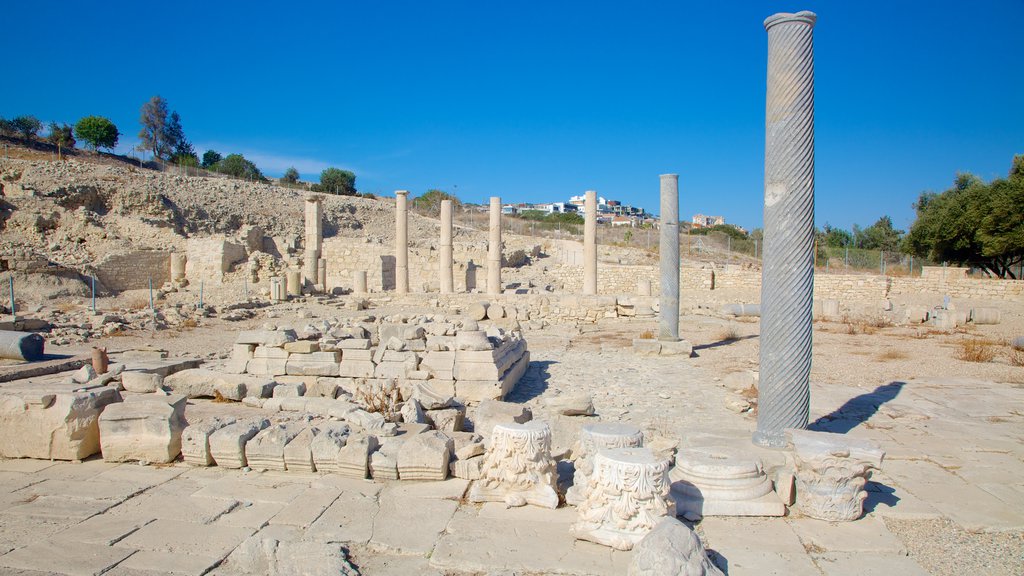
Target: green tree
{"points": [[430, 201], [973, 224], [291, 175], [834, 237], [211, 157], [727, 229], [27, 126], [879, 236], [97, 132], [154, 127], [236, 165], [7, 127], [62, 136], [337, 181]]}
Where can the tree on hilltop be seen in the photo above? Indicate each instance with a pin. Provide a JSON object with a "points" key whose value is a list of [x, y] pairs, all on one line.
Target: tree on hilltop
{"points": [[28, 126], [337, 181], [973, 223], [97, 132], [236, 165], [62, 136], [430, 201], [211, 157], [879, 236], [154, 125], [291, 175]]}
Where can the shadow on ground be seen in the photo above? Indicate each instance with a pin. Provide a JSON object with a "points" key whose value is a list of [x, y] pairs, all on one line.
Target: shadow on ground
{"points": [[533, 383], [856, 410], [725, 342]]}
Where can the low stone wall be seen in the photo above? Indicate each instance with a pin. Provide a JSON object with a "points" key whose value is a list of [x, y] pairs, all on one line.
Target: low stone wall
{"points": [[134, 270], [210, 258]]}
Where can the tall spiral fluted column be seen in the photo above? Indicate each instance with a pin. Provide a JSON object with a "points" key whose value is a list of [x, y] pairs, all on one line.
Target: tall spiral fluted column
{"points": [[590, 243], [401, 241], [447, 276], [787, 273], [669, 314], [494, 249]]}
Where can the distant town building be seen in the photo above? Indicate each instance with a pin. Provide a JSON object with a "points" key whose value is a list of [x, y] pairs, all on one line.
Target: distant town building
{"points": [[702, 221]]}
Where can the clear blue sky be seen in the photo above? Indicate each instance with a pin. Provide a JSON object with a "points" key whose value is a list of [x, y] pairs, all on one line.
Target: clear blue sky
{"points": [[540, 101]]}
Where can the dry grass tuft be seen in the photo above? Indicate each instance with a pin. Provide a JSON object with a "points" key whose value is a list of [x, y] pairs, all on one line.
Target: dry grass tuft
{"points": [[1017, 356], [729, 334], [891, 354], [647, 335], [138, 304], [976, 350], [381, 398], [187, 324]]}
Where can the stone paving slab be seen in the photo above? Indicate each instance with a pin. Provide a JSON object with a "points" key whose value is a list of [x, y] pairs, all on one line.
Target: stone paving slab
{"points": [[74, 558], [174, 507], [348, 520], [61, 508], [17, 532], [253, 487], [254, 515], [169, 563], [864, 535], [860, 564], [25, 465], [409, 525], [91, 490], [754, 534], [305, 510], [102, 530], [186, 537], [749, 562]]}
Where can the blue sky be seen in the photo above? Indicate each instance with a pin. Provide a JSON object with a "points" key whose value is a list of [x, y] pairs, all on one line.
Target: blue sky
{"points": [[540, 101]]}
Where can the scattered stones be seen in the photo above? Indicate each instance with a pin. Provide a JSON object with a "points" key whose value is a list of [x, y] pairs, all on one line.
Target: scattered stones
{"points": [[195, 440], [266, 450], [227, 445], [59, 426], [425, 457], [571, 404], [141, 382]]}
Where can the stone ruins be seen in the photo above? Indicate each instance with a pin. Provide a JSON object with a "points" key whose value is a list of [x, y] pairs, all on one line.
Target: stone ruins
{"points": [[377, 404]]}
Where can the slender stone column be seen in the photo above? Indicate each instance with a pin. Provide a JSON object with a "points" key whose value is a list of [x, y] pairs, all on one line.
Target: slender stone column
{"points": [[668, 321], [590, 243], [401, 241], [787, 274], [313, 241], [359, 282], [494, 249], [447, 275]]}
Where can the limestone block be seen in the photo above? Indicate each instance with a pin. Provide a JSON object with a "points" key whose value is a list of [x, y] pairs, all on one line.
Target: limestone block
{"points": [[227, 445], [302, 347], [440, 343], [298, 452], [356, 369], [195, 440], [646, 346], [193, 382], [361, 355], [301, 365], [270, 352], [518, 468], [985, 315], [141, 382], [62, 426], [473, 391], [447, 419], [383, 466], [323, 388], [372, 422], [490, 413], [425, 457], [289, 390], [741, 380], [473, 340], [145, 429], [326, 445], [434, 361], [671, 549], [354, 458], [677, 348], [84, 374], [412, 412], [571, 404], [274, 338], [266, 450], [431, 396], [831, 472], [354, 344], [719, 481], [242, 351], [390, 370], [467, 469], [488, 365], [626, 495], [830, 309]]}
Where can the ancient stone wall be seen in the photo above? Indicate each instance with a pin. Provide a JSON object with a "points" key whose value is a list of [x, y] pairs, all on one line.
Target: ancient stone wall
{"points": [[210, 258], [134, 270]]}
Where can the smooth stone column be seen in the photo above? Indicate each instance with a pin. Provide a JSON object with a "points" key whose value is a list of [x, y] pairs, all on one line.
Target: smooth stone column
{"points": [[359, 281], [494, 249], [401, 241], [277, 289], [668, 321], [447, 275], [310, 268], [178, 262], [321, 274], [314, 224], [593, 438], [294, 283], [787, 273], [590, 243], [626, 496]]}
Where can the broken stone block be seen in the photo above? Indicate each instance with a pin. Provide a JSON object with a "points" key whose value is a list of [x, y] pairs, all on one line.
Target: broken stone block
{"points": [[227, 445], [289, 390], [272, 338], [571, 404], [323, 388], [60, 426], [473, 340], [491, 412], [298, 452], [383, 466], [473, 391], [84, 374], [266, 450], [356, 368], [141, 382], [195, 440], [326, 445], [447, 419], [144, 429], [302, 347], [678, 348], [354, 344], [193, 382], [371, 422], [313, 364], [671, 549], [425, 457], [430, 397], [354, 457], [467, 469], [270, 557], [646, 346]]}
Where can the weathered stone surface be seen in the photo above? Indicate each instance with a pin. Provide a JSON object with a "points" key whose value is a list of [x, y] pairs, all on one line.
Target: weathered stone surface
{"points": [[518, 468], [354, 458], [831, 472], [431, 396], [425, 457], [593, 438], [227, 445], [625, 496], [491, 412], [677, 348], [145, 429], [326, 445], [468, 469], [477, 311], [647, 346], [262, 555], [266, 450], [354, 344], [671, 549], [719, 481], [412, 412], [571, 404], [61, 426], [447, 419], [193, 382], [273, 338], [195, 440], [298, 452], [383, 466], [141, 382], [289, 390], [302, 347], [356, 368]]}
